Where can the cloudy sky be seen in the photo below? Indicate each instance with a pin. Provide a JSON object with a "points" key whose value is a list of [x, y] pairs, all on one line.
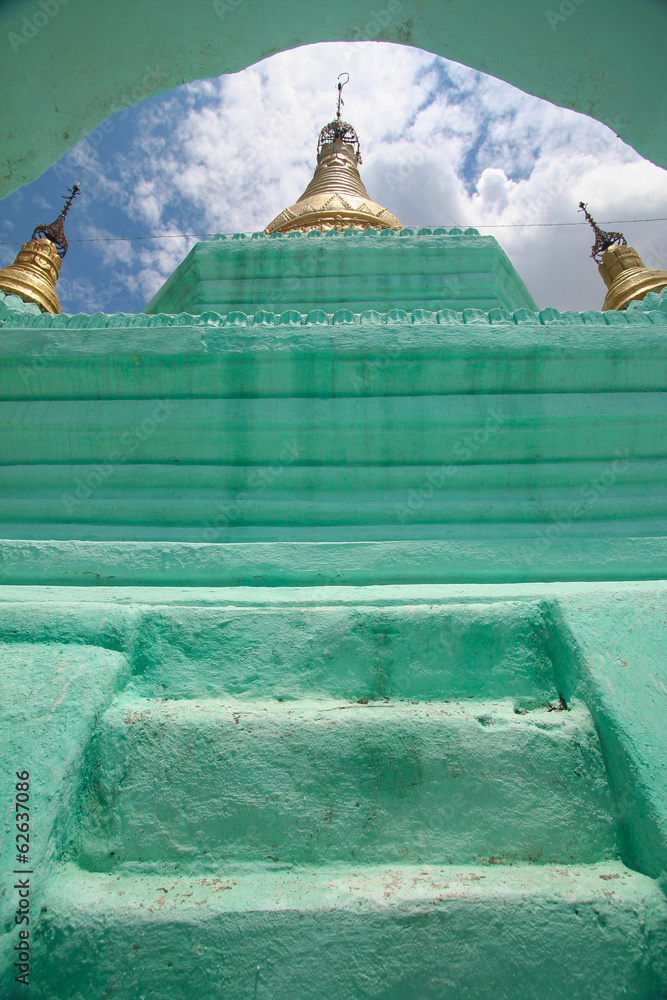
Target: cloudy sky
{"points": [[442, 145]]}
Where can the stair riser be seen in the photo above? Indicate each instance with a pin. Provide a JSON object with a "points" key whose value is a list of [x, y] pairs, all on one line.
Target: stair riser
{"points": [[417, 652], [407, 783], [442, 947]]}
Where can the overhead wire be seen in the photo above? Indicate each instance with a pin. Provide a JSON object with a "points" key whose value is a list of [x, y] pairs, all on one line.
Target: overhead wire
{"points": [[478, 225]]}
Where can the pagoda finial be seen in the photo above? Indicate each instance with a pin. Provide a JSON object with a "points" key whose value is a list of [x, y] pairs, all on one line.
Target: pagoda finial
{"points": [[341, 102], [603, 240], [336, 197], [623, 271], [55, 231], [339, 129], [34, 273]]}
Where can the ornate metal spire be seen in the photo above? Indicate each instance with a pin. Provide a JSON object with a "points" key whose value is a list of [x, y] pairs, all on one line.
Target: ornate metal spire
{"points": [[55, 231], [603, 240], [339, 129], [34, 273], [623, 271], [336, 197]]}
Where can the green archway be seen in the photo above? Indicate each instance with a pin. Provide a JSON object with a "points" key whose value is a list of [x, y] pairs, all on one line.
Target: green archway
{"points": [[65, 68]]}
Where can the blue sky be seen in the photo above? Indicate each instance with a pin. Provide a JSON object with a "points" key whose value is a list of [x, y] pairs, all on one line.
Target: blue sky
{"points": [[442, 145]]}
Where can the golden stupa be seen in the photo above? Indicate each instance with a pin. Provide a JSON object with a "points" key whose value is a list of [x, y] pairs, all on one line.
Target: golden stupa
{"points": [[336, 197], [622, 269], [34, 273]]}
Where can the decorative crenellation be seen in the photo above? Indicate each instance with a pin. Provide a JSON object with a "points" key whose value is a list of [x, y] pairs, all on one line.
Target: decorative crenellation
{"points": [[351, 231], [20, 315], [652, 301], [15, 304]]}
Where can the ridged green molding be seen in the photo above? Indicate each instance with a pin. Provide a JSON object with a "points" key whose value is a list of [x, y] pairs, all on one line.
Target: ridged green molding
{"points": [[429, 269], [367, 447]]}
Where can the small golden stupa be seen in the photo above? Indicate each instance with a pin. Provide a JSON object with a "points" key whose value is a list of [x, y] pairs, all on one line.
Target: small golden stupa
{"points": [[34, 273], [622, 269], [336, 197]]}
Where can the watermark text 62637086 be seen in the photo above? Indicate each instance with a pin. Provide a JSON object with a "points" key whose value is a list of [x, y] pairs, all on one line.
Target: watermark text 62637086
{"points": [[22, 883]]}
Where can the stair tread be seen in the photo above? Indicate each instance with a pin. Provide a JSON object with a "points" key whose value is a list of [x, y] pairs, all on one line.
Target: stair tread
{"points": [[276, 886], [135, 708], [323, 781]]}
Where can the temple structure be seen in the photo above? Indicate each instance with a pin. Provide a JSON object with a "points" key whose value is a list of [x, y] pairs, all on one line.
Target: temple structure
{"points": [[333, 612]]}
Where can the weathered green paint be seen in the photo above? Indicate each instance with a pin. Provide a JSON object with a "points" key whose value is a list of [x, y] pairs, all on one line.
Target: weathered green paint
{"points": [[360, 447], [461, 931], [429, 269], [229, 735], [123, 52], [297, 725]]}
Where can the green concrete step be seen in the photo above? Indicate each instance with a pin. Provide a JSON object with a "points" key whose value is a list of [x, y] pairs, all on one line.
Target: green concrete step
{"points": [[412, 651], [209, 782], [376, 932]]}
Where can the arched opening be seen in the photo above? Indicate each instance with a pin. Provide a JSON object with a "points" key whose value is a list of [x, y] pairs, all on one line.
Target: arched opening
{"points": [[67, 71], [443, 145]]}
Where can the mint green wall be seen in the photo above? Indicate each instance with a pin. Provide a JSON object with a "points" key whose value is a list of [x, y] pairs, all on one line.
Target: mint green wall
{"points": [[374, 447], [303, 713], [61, 78]]}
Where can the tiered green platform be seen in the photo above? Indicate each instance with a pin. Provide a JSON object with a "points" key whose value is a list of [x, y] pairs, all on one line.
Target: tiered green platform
{"points": [[304, 714], [409, 269]]}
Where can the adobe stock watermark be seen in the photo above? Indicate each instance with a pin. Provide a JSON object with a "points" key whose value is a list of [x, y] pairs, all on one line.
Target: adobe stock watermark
{"points": [[27, 372], [44, 11], [280, 123], [654, 254], [377, 23], [130, 440], [225, 7], [565, 9], [589, 495], [79, 157], [258, 482], [465, 449], [400, 171]]}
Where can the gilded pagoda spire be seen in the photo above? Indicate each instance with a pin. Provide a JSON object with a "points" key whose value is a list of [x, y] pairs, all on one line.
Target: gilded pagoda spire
{"points": [[622, 269], [336, 197], [34, 273]]}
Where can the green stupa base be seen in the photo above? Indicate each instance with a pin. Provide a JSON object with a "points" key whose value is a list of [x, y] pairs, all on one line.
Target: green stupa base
{"points": [[427, 268], [334, 644]]}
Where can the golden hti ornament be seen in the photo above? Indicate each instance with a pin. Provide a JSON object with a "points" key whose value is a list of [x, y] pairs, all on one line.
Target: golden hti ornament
{"points": [[336, 197], [622, 269], [34, 273]]}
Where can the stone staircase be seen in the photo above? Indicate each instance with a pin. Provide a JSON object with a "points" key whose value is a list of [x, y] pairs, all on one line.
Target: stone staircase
{"points": [[347, 802]]}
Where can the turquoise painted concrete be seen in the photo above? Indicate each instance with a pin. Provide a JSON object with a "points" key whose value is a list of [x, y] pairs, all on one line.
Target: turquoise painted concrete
{"points": [[607, 62], [303, 713], [360, 447], [235, 760], [429, 269]]}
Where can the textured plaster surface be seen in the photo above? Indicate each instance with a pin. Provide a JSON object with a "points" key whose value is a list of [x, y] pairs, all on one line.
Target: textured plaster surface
{"points": [[587, 933], [432, 268], [353, 447], [123, 52], [238, 759], [288, 700]]}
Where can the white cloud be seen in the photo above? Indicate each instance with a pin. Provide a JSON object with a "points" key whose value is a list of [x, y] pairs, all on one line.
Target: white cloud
{"points": [[229, 154]]}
